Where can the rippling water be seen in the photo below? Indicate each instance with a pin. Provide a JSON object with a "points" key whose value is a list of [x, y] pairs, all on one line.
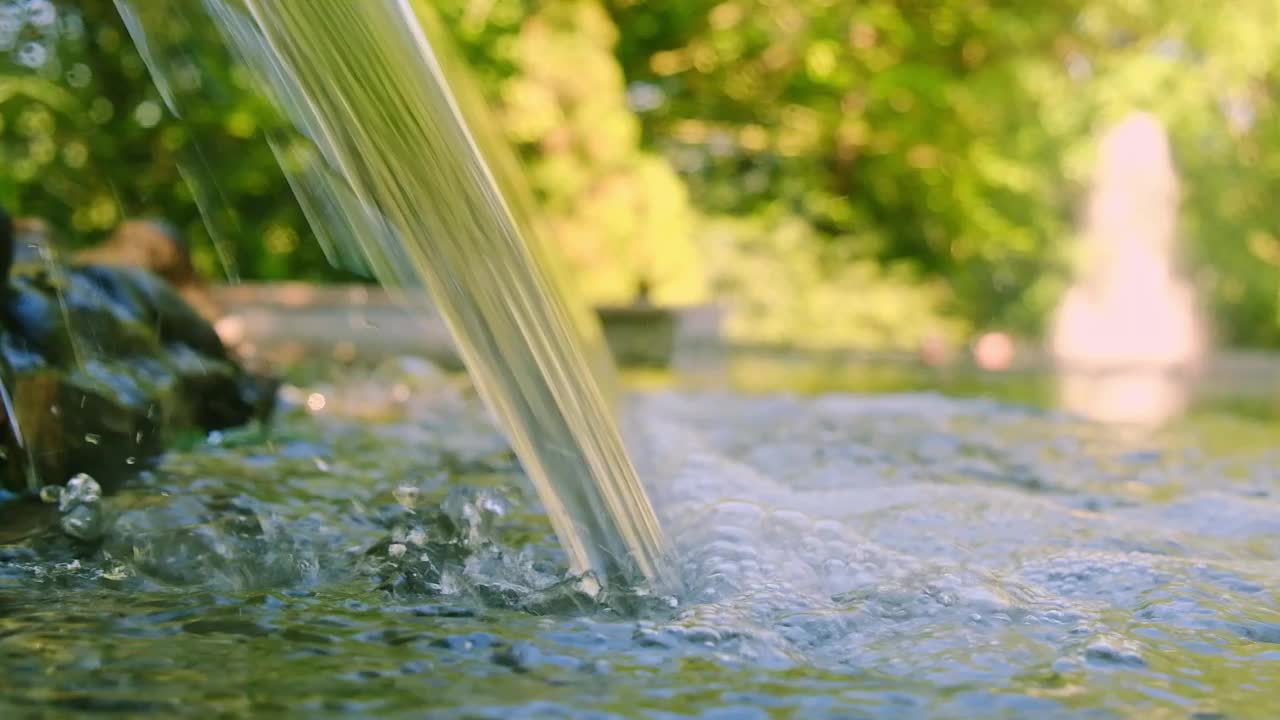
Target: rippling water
{"points": [[896, 555]]}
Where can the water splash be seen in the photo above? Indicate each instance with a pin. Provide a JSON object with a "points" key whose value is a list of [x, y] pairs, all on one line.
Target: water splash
{"points": [[408, 180]]}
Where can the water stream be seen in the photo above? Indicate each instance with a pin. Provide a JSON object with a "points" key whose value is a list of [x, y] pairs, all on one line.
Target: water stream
{"points": [[399, 178]]}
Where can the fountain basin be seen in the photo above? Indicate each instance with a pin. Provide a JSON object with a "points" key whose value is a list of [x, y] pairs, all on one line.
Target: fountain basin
{"points": [[292, 319]]}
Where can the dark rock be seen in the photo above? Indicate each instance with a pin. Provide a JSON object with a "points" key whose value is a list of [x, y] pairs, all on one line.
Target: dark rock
{"points": [[159, 248], [105, 364]]}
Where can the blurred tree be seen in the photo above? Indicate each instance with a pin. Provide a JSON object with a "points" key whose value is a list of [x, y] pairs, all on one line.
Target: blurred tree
{"points": [[89, 139], [955, 135], [620, 214], [930, 152]]}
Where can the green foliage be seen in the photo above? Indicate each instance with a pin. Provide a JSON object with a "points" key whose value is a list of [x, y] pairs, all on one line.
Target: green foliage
{"points": [[931, 152], [86, 139], [782, 282], [956, 135], [620, 214]]}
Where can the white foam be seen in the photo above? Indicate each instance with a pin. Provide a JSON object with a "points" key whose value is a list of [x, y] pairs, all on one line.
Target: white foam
{"points": [[847, 528]]}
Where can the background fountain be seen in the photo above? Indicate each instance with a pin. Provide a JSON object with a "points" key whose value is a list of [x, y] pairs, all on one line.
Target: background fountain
{"points": [[1127, 337]]}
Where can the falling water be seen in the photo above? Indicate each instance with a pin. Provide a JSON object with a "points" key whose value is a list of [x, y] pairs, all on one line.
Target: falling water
{"points": [[397, 179]]}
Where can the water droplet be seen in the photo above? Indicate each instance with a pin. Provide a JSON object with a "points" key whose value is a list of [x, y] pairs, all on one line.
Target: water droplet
{"points": [[41, 13], [93, 438], [81, 489], [130, 460], [9, 27], [148, 113], [33, 55], [101, 110], [80, 75], [407, 496], [81, 508]]}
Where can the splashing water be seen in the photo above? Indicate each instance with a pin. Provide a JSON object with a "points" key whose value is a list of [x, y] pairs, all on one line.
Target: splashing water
{"points": [[846, 556], [402, 182], [899, 556]]}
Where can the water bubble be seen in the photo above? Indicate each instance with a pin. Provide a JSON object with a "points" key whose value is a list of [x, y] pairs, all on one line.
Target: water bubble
{"points": [[407, 496], [80, 75], [41, 13], [80, 489], [148, 113], [101, 110], [72, 26], [645, 97], [32, 55], [75, 155], [80, 504]]}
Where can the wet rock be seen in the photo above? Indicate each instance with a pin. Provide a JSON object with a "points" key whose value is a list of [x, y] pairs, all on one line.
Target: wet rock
{"points": [[104, 365], [160, 248]]}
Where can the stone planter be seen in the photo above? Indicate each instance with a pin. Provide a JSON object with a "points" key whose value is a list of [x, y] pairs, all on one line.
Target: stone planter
{"points": [[640, 335], [297, 320]]}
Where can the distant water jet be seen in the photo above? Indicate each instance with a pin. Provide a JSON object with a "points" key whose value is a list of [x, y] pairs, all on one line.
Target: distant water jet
{"points": [[1127, 338]]}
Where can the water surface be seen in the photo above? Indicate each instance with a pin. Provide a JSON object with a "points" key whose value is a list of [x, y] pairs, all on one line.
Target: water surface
{"points": [[895, 554]]}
